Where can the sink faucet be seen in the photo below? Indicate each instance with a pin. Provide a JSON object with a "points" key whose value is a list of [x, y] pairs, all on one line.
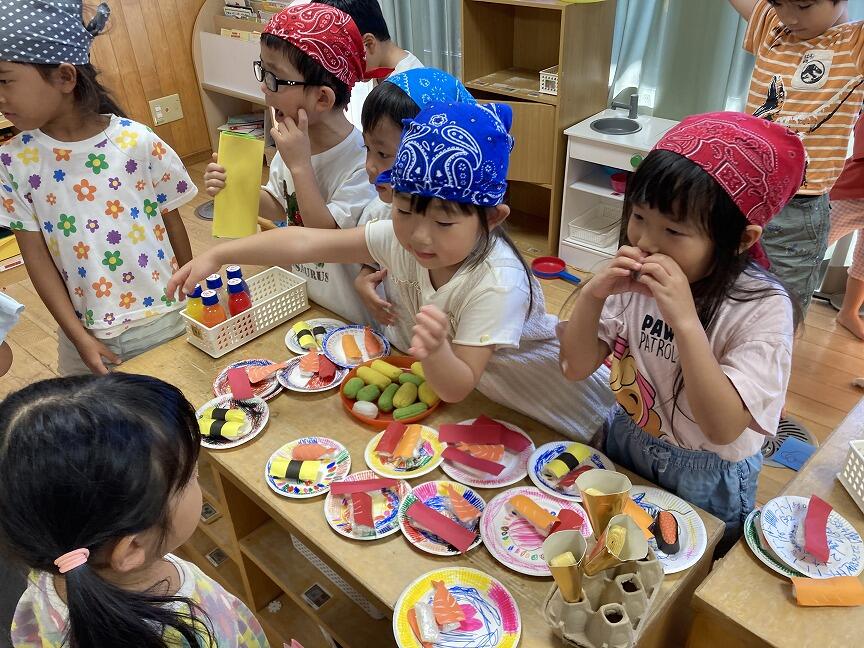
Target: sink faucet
{"points": [[632, 107]]}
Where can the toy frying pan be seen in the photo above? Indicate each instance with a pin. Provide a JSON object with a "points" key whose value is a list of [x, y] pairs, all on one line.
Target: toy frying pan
{"points": [[549, 267]]}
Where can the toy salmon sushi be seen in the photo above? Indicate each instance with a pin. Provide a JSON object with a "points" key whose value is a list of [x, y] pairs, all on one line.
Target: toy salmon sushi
{"points": [[310, 451], [489, 452], [409, 445], [372, 343], [448, 614], [665, 530], [309, 364], [532, 512], [464, 510], [351, 350]]}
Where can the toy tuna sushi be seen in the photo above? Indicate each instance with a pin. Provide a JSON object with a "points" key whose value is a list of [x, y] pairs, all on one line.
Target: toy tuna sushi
{"points": [[665, 530]]}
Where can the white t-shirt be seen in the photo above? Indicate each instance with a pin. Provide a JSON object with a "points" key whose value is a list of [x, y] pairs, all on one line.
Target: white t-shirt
{"points": [[751, 340], [489, 305], [99, 204], [362, 89], [409, 62], [344, 184]]}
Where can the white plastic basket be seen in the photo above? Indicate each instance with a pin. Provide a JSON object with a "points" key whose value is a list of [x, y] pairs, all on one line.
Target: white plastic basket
{"points": [[549, 80], [852, 475], [277, 296], [599, 226], [336, 579]]}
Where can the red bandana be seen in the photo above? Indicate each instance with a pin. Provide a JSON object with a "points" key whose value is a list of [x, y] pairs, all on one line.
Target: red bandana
{"points": [[758, 163], [327, 35]]}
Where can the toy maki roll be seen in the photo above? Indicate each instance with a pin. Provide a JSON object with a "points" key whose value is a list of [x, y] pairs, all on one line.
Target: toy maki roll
{"points": [[320, 333], [226, 429], [222, 414], [305, 336], [283, 468], [566, 462], [665, 530]]}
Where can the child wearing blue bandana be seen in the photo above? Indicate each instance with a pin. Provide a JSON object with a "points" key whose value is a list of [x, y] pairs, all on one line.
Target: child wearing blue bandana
{"points": [[91, 195], [465, 300]]}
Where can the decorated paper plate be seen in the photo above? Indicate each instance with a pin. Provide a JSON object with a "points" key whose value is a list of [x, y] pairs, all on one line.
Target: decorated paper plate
{"points": [[781, 519], [515, 465], [692, 537], [491, 615], [265, 389], [328, 323], [385, 509], [333, 468], [434, 495], [332, 346], [761, 549], [514, 542], [428, 460], [546, 453], [257, 415], [291, 378]]}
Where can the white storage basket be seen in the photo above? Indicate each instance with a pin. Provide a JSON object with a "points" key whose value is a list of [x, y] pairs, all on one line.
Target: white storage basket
{"points": [[277, 296], [549, 80], [599, 226], [852, 475]]}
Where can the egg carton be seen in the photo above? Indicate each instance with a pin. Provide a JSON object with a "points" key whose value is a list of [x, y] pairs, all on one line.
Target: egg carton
{"points": [[614, 604]]}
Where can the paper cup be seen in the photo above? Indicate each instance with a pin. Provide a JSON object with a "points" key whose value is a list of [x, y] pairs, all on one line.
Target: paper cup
{"points": [[615, 489], [602, 557], [569, 578]]}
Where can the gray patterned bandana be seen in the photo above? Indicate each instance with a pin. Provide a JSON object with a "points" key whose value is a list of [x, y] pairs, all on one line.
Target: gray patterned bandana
{"points": [[48, 31]]}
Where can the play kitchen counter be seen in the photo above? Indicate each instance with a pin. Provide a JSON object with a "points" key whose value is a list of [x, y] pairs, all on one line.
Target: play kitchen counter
{"points": [[742, 603], [266, 536]]}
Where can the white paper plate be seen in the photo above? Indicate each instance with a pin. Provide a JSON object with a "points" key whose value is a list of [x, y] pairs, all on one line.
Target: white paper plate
{"points": [[430, 457], [328, 323], [337, 468], [291, 378], [755, 540], [515, 464], [257, 414], [265, 389], [385, 508], [546, 453], [332, 346]]}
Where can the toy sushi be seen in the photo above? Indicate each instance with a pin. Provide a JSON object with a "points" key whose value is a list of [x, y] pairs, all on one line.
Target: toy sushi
{"points": [[305, 337], [531, 512], [307, 471], [566, 462], [665, 530]]}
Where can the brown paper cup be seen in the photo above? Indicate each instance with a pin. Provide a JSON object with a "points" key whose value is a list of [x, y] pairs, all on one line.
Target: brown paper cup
{"points": [[602, 508], [635, 547], [568, 579]]}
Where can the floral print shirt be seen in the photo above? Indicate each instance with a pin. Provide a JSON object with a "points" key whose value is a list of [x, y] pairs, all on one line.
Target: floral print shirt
{"points": [[99, 204]]}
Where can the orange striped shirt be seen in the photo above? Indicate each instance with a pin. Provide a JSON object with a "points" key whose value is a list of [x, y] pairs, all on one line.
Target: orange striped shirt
{"points": [[815, 87]]}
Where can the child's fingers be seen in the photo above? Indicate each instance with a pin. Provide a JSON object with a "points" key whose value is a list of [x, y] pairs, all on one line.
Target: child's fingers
{"points": [[429, 325], [426, 339], [109, 355], [303, 121], [215, 156], [631, 252]]}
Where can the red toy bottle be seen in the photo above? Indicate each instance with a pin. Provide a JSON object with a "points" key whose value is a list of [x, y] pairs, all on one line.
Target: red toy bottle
{"points": [[238, 298]]}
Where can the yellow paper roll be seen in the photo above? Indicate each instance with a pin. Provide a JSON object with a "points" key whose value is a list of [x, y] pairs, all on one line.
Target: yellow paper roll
{"points": [[235, 208]]}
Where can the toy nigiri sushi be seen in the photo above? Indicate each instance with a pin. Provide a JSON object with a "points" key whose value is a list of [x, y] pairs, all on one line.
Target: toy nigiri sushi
{"points": [[351, 350], [361, 514], [464, 510], [305, 337], [421, 618], [309, 364], [566, 462], [532, 512], [326, 369], [320, 333], [372, 343], [665, 530], [409, 445], [283, 468], [568, 482], [390, 439], [448, 614], [310, 451], [489, 452]]}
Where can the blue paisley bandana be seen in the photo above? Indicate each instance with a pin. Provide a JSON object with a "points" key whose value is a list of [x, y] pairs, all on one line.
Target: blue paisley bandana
{"points": [[455, 151], [428, 85], [48, 31]]}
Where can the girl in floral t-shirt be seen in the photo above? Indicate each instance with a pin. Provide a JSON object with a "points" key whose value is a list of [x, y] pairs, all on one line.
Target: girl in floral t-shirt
{"points": [[92, 196]]}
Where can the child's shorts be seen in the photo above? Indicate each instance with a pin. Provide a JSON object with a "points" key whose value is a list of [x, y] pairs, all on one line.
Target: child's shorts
{"points": [[726, 489]]}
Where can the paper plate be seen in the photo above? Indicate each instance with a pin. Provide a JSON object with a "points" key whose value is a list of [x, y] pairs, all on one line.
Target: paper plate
{"points": [[432, 494], [514, 542], [780, 520], [546, 453], [752, 534], [337, 468], [257, 414], [692, 537], [495, 622], [290, 378], [515, 465], [385, 509], [265, 389], [328, 323], [430, 457], [332, 346]]}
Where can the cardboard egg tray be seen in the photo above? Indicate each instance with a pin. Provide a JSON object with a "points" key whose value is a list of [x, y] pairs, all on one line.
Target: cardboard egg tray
{"points": [[614, 604]]}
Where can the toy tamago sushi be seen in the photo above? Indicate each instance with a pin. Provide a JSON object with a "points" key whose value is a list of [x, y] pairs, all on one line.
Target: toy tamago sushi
{"points": [[409, 445], [226, 429], [361, 514], [351, 350], [448, 614], [305, 337], [311, 451], [464, 510], [283, 468], [566, 462], [531, 512], [665, 530], [309, 364], [222, 414], [389, 440], [372, 343]]}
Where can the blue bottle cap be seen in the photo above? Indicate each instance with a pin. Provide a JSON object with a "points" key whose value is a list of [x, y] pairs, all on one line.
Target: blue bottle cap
{"points": [[234, 272], [210, 298], [214, 282], [195, 293], [235, 286]]}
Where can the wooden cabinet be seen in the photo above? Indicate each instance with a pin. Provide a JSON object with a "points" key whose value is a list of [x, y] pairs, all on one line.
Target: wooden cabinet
{"points": [[505, 45]]}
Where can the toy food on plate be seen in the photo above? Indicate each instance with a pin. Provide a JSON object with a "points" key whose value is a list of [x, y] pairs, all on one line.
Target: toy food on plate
{"points": [[488, 452], [464, 510], [384, 367], [409, 445], [448, 614], [421, 618], [351, 350], [424, 518], [366, 409], [222, 414], [326, 369], [665, 530], [284, 468], [372, 343], [305, 337], [389, 440], [395, 391], [309, 364], [361, 514], [371, 376], [311, 451], [320, 333], [567, 461], [453, 455], [225, 429], [532, 513]]}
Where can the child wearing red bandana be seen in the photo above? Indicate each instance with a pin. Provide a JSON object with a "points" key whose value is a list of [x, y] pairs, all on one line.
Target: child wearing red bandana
{"points": [[311, 57]]}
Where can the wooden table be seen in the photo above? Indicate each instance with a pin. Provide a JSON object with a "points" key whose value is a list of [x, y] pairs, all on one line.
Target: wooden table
{"points": [[743, 603], [259, 521]]}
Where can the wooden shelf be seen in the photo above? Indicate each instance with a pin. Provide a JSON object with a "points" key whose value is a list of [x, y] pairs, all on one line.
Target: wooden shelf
{"points": [[227, 574], [513, 82], [270, 548], [207, 481], [219, 531], [597, 183], [287, 624]]}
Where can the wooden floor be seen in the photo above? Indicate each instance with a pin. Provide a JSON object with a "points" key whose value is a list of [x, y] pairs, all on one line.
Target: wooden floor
{"points": [[826, 357]]}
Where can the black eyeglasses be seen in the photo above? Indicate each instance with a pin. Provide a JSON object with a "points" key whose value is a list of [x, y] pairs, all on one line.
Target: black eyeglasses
{"points": [[271, 81]]}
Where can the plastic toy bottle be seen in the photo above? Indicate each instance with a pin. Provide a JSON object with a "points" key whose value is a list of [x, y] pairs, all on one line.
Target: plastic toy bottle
{"points": [[213, 312], [238, 298], [234, 272], [194, 305], [214, 283]]}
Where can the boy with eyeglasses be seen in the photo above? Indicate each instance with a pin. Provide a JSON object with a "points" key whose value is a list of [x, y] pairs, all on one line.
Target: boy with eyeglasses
{"points": [[311, 57]]}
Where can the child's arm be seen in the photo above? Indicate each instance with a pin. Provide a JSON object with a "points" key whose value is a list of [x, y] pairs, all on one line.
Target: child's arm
{"points": [[49, 284], [365, 284], [717, 407], [280, 247], [744, 7], [178, 236], [5, 358]]}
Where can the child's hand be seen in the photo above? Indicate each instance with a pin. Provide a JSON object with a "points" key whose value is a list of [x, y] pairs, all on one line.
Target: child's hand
{"points": [[194, 272], [365, 285], [671, 289], [292, 140], [430, 332], [94, 353], [214, 177], [619, 276]]}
